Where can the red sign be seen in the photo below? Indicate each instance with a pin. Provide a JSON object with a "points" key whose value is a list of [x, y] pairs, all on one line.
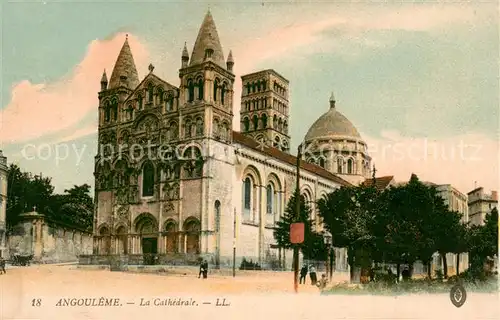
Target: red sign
{"points": [[297, 232]]}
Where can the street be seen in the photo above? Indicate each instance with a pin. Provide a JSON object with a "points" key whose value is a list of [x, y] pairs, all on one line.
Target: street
{"points": [[65, 292]]}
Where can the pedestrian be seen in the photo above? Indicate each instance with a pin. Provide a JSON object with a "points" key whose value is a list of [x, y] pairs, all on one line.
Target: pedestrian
{"points": [[202, 264], [205, 269], [2, 265], [312, 274], [303, 274]]}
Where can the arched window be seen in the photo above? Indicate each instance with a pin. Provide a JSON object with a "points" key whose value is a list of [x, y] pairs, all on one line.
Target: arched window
{"points": [[246, 124], [170, 104], [321, 162], [247, 198], [340, 165], [255, 122], [349, 166], [275, 122], [150, 92], [107, 112], [114, 107], [217, 215], [216, 86], [190, 91], [199, 127], [264, 121], [139, 101], [200, 89], [188, 128], [148, 180], [223, 93], [160, 95], [270, 198]]}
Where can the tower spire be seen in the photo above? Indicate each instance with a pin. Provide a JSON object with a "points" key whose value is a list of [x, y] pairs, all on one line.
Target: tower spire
{"points": [[230, 61], [104, 81], [124, 73], [207, 44]]}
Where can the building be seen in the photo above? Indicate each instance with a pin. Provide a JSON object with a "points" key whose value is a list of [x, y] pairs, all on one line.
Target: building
{"points": [[480, 204], [3, 203], [174, 181], [456, 201]]}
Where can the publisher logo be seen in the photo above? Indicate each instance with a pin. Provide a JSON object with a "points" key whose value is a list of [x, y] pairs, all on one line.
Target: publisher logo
{"points": [[458, 295]]}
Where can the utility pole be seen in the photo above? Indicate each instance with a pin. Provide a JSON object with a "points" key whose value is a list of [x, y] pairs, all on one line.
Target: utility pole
{"points": [[297, 215], [234, 244]]}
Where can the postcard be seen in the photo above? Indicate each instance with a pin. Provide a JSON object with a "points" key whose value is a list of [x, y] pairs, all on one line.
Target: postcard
{"points": [[244, 160]]}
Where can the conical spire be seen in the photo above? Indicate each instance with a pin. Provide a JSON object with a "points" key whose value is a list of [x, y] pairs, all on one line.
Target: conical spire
{"points": [[332, 101], [124, 73], [185, 53], [104, 78], [207, 42], [230, 61]]}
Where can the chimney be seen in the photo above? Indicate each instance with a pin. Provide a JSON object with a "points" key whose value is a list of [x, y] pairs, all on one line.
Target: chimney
{"points": [[494, 195]]}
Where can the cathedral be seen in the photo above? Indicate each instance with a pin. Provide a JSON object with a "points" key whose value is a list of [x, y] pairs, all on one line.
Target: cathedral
{"points": [[173, 179]]}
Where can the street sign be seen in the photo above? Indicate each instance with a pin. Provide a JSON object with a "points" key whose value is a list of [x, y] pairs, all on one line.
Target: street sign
{"points": [[297, 232]]}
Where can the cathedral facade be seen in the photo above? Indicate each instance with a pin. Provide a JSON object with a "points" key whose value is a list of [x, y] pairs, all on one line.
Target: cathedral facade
{"points": [[175, 181]]}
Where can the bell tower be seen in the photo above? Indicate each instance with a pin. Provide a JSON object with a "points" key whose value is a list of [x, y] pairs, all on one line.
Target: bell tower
{"points": [[264, 109], [206, 87]]}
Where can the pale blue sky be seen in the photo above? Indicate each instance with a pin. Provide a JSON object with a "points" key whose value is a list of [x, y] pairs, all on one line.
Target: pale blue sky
{"points": [[435, 77]]}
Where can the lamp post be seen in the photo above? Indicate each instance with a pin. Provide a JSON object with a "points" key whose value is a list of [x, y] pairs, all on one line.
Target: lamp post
{"points": [[327, 236]]}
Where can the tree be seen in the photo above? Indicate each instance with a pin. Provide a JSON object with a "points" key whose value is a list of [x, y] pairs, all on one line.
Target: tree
{"points": [[484, 241], [26, 191], [74, 207], [348, 214], [313, 247]]}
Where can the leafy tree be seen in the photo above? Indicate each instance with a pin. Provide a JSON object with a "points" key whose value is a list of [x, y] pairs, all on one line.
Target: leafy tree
{"points": [[348, 214], [313, 247], [484, 240], [27, 192]]}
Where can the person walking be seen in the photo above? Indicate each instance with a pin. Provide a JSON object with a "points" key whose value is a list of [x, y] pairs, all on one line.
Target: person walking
{"points": [[303, 274], [2, 265], [205, 269], [312, 274]]}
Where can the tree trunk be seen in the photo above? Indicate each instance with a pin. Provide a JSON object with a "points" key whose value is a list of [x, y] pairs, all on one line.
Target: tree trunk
{"points": [[458, 264], [445, 265], [398, 271], [429, 271], [411, 268]]}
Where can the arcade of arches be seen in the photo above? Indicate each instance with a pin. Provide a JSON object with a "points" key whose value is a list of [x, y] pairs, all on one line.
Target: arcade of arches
{"points": [[146, 237]]}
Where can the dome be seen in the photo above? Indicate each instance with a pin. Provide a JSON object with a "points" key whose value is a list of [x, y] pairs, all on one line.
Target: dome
{"points": [[332, 124]]}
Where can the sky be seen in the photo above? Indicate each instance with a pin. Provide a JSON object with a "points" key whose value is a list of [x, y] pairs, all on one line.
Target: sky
{"points": [[419, 81]]}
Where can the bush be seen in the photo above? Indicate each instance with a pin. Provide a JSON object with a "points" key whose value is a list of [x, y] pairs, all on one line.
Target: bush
{"points": [[249, 265]]}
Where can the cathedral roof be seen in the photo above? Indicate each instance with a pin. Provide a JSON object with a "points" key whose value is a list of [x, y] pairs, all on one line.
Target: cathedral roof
{"points": [[208, 38], [279, 155], [124, 73], [332, 124]]}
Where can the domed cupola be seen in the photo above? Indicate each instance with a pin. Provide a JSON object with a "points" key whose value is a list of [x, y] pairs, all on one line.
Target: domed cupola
{"points": [[335, 144]]}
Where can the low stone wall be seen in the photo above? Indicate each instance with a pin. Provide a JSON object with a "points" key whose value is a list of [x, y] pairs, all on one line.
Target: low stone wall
{"points": [[48, 242]]}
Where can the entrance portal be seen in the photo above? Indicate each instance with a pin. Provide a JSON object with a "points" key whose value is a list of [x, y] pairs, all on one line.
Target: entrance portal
{"points": [[149, 250]]}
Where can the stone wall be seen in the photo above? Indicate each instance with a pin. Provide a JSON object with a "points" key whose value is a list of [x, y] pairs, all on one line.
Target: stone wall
{"points": [[48, 242]]}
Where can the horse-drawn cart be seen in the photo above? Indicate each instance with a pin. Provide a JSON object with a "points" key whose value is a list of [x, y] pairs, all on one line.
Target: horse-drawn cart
{"points": [[21, 260]]}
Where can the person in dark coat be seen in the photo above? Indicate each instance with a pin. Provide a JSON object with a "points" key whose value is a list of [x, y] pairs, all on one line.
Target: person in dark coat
{"points": [[205, 269], [2, 265], [312, 274], [303, 274]]}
